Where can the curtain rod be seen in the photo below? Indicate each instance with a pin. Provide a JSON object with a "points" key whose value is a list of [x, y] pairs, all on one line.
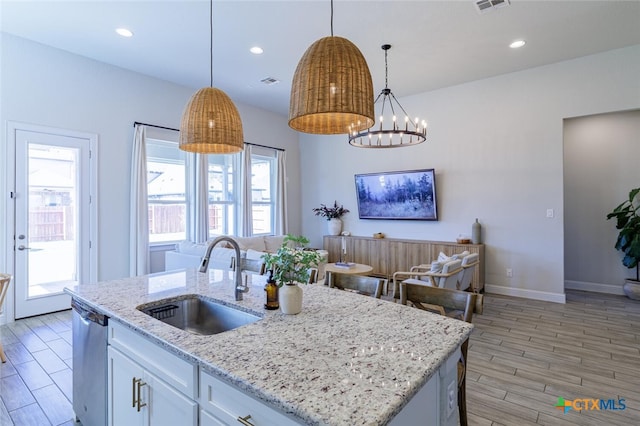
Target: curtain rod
{"points": [[155, 125], [177, 130], [264, 146]]}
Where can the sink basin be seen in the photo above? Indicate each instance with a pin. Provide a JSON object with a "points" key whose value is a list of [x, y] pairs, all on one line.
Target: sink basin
{"points": [[198, 315]]}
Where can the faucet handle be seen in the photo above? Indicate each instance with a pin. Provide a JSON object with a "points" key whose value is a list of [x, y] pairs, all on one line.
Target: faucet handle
{"points": [[244, 285]]}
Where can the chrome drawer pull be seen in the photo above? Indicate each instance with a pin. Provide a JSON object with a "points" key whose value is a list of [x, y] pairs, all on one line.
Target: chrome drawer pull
{"points": [[245, 420]]}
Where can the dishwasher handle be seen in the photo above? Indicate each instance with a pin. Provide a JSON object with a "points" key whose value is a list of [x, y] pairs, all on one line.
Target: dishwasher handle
{"points": [[88, 314]]}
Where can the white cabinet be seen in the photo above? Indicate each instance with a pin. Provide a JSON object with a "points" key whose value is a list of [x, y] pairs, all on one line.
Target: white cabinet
{"points": [[138, 397], [223, 404], [148, 385], [122, 391]]}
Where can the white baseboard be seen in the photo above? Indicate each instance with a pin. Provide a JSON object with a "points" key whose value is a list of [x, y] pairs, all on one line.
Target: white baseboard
{"points": [[527, 294], [595, 287]]}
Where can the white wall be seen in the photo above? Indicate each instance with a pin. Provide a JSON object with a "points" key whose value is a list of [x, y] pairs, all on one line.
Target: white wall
{"points": [[50, 87], [496, 145], [601, 166], [497, 148]]}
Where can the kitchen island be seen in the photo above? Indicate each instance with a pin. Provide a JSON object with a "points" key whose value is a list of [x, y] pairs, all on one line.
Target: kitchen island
{"points": [[346, 359]]}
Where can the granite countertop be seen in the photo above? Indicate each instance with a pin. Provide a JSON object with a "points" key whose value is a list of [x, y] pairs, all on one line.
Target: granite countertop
{"points": [[345, 359]]}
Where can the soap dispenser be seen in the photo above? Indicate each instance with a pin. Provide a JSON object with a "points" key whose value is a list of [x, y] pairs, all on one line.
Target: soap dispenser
{"points": [[271, 293]]}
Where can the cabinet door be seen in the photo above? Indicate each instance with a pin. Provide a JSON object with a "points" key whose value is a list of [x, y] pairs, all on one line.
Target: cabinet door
{"points": [[404, 254], [167, 406], [160, 404], [121, 399]]}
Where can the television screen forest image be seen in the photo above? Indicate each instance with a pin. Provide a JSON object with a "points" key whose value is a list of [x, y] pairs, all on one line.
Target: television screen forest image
{"points": [[397, 195]]}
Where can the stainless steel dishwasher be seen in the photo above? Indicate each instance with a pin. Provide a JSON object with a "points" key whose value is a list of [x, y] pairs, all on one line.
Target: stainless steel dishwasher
{"points": [[89, 364]]}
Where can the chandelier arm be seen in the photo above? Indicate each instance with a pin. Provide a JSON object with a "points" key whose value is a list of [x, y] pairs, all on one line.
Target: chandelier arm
{"points": [[405, 112], [393, 111]]}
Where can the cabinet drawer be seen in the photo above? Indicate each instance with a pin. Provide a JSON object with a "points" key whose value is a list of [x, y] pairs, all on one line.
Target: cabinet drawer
{"points": [[226, 403], [169, 367]]}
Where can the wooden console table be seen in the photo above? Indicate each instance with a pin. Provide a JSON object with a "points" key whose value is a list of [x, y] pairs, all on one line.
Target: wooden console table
{"points": [[389, 255]]}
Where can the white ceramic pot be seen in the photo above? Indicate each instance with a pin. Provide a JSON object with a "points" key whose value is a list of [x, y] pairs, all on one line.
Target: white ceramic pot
{"points": [[335, 226], [290, 296]]}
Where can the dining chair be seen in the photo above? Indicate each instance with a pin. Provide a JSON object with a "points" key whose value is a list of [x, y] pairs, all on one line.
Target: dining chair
{"points": [[5, 279], [436, 274], [452, 303], [469, 264], [368, 286]]}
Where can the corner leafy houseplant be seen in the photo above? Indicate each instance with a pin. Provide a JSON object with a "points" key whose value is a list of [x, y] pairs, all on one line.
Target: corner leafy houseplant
{"points": [[627, 216]]}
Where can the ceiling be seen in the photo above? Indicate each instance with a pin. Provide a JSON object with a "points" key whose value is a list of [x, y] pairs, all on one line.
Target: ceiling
{"points": [[435, 44]]}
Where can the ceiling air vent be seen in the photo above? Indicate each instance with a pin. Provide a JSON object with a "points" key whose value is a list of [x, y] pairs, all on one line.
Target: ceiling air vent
{"points": [[485, 6], [270, 81]]}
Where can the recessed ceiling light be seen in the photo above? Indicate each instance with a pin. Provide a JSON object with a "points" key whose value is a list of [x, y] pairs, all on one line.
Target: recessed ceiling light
{"points": [[256, 50], [124, 32], [518, 43]]}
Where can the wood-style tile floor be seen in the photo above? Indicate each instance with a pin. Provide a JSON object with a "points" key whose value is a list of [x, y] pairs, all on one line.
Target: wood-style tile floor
{"points": [[526, 354], [523, 356], [36, 380]]}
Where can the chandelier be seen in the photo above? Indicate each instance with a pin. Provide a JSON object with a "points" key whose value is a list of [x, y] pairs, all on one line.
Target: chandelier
{"points": [[211, 122], [408, 133]]}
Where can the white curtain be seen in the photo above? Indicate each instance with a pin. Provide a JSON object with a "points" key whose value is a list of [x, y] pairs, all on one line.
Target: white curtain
{"points": [[281, 195], [198, 190], [139, 213], [246, 223]]}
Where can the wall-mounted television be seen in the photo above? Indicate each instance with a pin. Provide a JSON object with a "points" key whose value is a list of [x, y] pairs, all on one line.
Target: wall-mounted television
{"points": [[409, 195]]}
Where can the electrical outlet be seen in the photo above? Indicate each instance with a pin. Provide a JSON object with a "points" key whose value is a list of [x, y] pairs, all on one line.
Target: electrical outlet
{"points": [[452, 402], [509, 272], [550, 213]]}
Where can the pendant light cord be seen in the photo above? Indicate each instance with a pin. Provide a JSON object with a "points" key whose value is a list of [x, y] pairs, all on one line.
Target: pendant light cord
{"points": [[331, 18], [211, 43]]}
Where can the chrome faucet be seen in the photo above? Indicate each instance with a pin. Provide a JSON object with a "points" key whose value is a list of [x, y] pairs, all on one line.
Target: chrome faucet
{"points": [[204, 265]]}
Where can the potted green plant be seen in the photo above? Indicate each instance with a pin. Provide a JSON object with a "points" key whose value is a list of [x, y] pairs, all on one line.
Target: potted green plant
{"points": [[333, 215], [290, 266], [627, 216]]}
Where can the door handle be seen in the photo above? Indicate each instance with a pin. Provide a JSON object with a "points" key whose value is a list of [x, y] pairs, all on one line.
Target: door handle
{"points": [[140, 385], [136, 393], [23, 247]]}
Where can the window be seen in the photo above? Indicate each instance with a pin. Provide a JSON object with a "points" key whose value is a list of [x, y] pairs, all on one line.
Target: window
{"points": [[263, 180], [169, 171], [167, 194], [223, 197]]}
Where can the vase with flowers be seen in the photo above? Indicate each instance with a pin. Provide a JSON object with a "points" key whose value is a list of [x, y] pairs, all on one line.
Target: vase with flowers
{"points": [[333, 215], [291, 265]]}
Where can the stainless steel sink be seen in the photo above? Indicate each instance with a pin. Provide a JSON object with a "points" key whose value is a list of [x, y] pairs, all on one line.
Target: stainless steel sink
{"points": [[198, 315]]}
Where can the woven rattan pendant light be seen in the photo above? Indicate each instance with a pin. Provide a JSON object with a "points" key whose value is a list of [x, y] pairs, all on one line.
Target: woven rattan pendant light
{"points": [[211, 123], [332, 91]]}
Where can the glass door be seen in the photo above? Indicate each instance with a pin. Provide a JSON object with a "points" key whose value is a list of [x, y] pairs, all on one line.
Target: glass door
{"points": [[52, 220]]}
